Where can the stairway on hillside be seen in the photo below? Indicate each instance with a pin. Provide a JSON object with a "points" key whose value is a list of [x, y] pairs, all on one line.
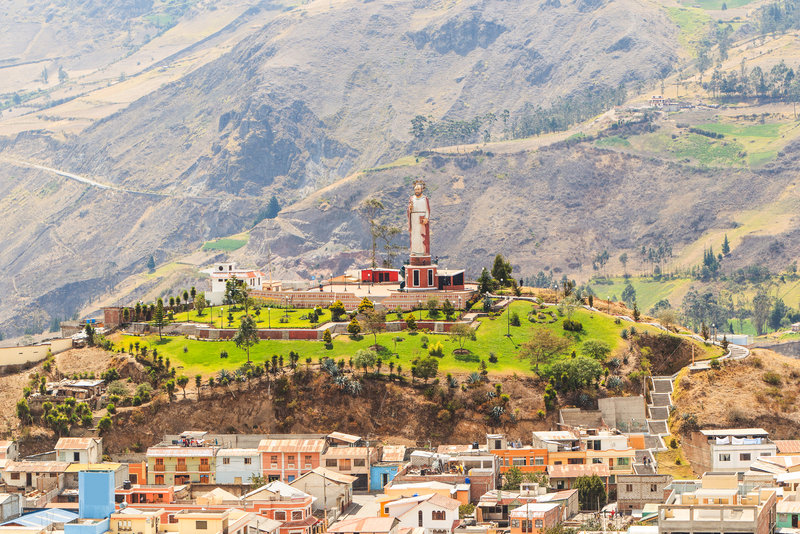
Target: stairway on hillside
{"points": [[661, 401]]}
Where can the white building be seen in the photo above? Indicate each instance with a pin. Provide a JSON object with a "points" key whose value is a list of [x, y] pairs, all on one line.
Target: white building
{"points": [[236, 466], [435, 513], [222, 272], [9, 450], [332, 490], [737, 449], [80, 450]]}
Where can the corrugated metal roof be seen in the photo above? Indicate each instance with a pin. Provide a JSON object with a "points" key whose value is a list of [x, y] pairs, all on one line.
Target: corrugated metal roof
{"points": [[577, 470], [6, 444], [291, 445], [533, 509], [785, 446], [347, 451], [788, 507], [736, 432], [364, 524], [238, 452], [394, 453], [556, 435], [76, 443], [329, 475], [37, 467], [180, 452], [43, 518], [349, 438], [449, 449]]}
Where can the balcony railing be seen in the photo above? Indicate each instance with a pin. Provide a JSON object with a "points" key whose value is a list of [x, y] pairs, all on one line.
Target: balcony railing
{"points": [[205, 467], [159, 467], [620, 468]]}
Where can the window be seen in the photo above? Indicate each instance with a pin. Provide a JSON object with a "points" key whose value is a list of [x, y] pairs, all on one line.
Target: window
{"points": [[248, 461], [359, 462], [159, 480], [515, 523], [724, 457], [274, 459], [623, 461], [518, 461], [558, 462], [539, 523], [597, 460], [419, 514], [629, 487], [201, 525], [416, 284], [226, 461], [76, 457], [297, 516], [539, 461], [308, 459], [653, 488], [437, 515], [430, 277], [280, 516], [291, 459], [159, 461], [744, 457], [330, 463], [574, 461], [134, 478], [386, 510], [14, 476], [290, 478], [204, 479], [765, 454]]}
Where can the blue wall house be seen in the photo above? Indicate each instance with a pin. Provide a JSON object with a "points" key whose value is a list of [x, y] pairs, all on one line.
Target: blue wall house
{"points": [[96, 494], [381, 474]]}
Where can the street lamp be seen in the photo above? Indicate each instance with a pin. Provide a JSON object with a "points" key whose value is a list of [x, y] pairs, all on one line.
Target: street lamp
{"points": [[345, 280], [269, 317], [420, 308], [714, 331], [608, 301]]}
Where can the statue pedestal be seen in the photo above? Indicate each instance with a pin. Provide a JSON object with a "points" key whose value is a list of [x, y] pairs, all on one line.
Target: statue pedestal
{"points": [[420, 260], [421, 276]]}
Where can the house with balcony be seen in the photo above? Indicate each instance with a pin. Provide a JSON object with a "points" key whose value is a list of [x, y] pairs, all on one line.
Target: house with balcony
{"points": [[562, 477], [527, 459], [144, 494], [720, 504], [353, 461], [237, 466], [288, 505], [729, 450], [496, 505], [339, 439], [476, 471], [175, 465], [80, 450], [434, 513], [287, 459]]}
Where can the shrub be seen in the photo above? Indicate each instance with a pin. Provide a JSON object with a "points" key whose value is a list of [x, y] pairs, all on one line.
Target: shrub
{"points": [[117, 388], [437, 349], [223, 354], [756, 362], [572, 325], [624, 333], [424, 341], [673, 443], [514, 319], [678, 461], [137, 401], [443, 416], [111, 407], [715, 363], [492, 357], [541, 414], [772, 378], [614, 382], [633, 331]]}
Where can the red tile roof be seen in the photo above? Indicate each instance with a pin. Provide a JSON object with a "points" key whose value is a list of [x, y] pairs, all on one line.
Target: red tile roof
{"points": [[787, 446], [291, 445]]}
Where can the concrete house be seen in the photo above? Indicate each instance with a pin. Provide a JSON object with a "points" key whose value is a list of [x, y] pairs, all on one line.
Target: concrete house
{"points": [[526, 458], [384, 471], [236, 466], [730, 450], [287, 459], [280, 502], [80, 450], [367, 525], [718, 504], [534, 517], [41, 476], [634, 491], [354, 461], [9, 450], [176, 465], [332, 490], [435, 513]]}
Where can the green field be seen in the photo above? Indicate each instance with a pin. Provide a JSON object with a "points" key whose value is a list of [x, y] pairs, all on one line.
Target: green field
{"points": [[707, 151], [693, 24], [226, 244], [759, 158], [265, 317], [735, 130], [193, 357], [612, 142], [716, 4], [648, 292]]}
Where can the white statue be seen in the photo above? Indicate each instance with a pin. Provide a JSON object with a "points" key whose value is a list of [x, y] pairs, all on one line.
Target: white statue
{"points": [[419, 213]]}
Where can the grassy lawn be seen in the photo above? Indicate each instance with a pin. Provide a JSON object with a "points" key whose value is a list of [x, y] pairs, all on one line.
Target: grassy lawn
{"points": [[737, 130], [228, 244], [667, 463], [693, 26], [648, 292], [265, 317], [716, 4], [611, 142], [203, 356]]}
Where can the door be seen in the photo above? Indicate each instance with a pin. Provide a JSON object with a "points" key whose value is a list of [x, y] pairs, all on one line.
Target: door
{"points": [[385, 479], [794, 520], [28, 479]]}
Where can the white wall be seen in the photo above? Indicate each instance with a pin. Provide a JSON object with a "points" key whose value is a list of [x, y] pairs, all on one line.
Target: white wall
{"points": [[411, 519]]}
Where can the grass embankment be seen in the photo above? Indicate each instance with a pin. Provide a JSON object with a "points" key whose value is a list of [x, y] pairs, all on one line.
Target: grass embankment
{"points": [[203, 356], [265, 317], [673, 462], [228, 244]]}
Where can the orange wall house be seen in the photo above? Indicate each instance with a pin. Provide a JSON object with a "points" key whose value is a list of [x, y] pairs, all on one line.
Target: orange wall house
{"points": [[287, 459], [137, 473], [534, 517]]}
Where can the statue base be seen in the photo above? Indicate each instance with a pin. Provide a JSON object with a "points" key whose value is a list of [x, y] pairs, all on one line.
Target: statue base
{"points": [[421, 260]]}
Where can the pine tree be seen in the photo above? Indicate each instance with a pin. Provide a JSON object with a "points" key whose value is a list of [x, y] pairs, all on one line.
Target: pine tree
{"points": [[159, 320], [726, 246], [273, 208], [151, 264]]}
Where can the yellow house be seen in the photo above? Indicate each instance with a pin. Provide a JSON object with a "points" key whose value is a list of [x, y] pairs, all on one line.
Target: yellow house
{"points": [[618, 462], [138, 521], [230, 521], [420, 488], [180, 465]]}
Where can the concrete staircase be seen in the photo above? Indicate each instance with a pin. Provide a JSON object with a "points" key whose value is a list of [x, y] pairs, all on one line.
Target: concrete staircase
{"points": [[661, 401]]}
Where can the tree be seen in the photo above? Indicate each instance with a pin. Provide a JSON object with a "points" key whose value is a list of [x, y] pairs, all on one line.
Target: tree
{"points": [[370, 209], [779, 311], [365, 305], [667, 317], [636, 313], [200, 303], [596, 349], [460, 333], [761, 309], [726, 246], [170, 387], [501, 270], [24, 411], [159, 319], [484, 282], [591, 492], [427, 368], [182, 382], [374, 323], [247, 334], [337, 310], [448, 309], [578, 372], [105, 424], [273, 208], [411, 323], [512, 479], [151, 264], [327, 337], [354, 328], [623, 259], [44, 75], [568, 306], [543, 345], [198, 382], [364, 359], [432, 305], [89, 330], [629, 295]]}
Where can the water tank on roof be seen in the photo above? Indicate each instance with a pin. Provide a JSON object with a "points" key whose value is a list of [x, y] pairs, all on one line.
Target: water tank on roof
{"points": [[126, 485], [466, 480], [475, 445]]}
